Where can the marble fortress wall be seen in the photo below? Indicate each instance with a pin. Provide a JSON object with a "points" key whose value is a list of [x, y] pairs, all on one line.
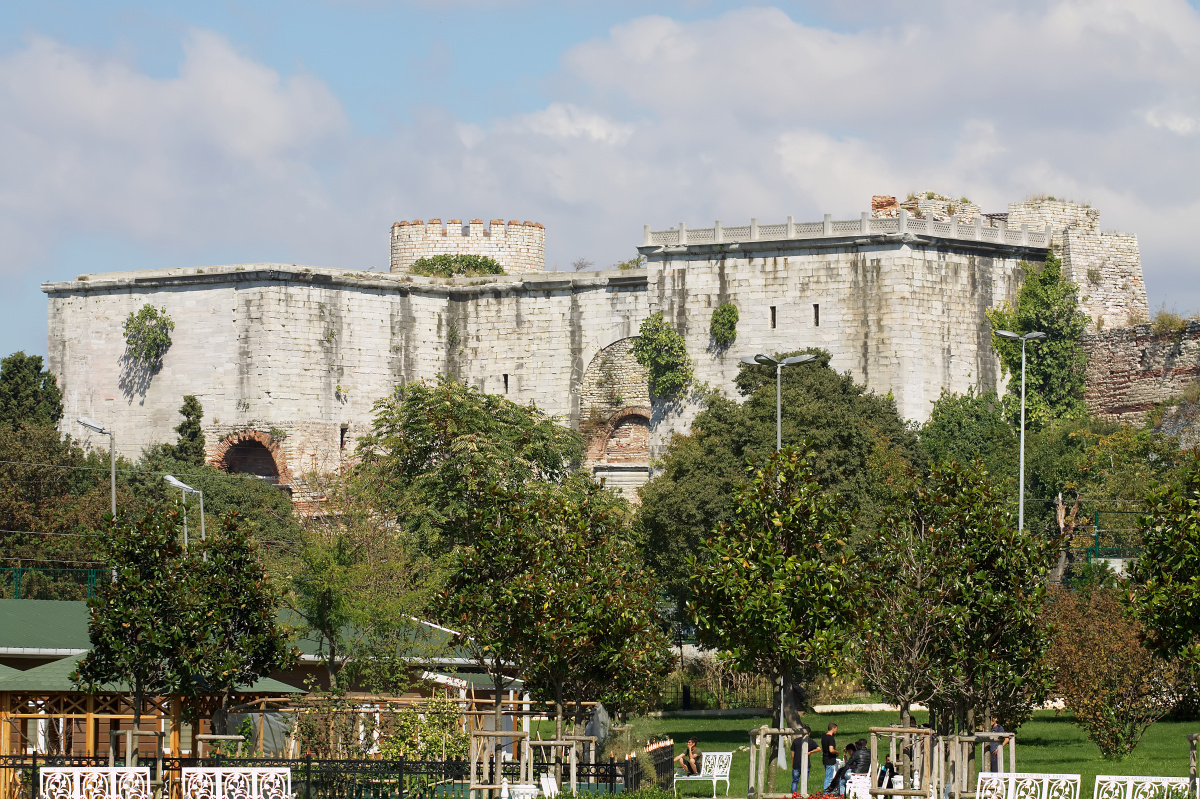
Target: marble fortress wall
{"points": [[288, 360]]}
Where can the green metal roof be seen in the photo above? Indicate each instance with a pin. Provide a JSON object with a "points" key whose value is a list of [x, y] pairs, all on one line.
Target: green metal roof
{"points": [[7, 670], [59, 627], [56, 676], [43, 624], [48, 677]]}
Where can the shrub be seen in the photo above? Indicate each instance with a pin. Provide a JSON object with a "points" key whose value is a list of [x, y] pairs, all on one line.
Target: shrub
{"points": [[148, 336], [663, 352], [724, 324], [1165, 322], [632, 263], [1114, 686], [461, 265]]}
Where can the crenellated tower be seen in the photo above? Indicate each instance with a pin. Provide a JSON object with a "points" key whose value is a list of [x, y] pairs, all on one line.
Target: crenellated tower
{"points": [[520, 247]]}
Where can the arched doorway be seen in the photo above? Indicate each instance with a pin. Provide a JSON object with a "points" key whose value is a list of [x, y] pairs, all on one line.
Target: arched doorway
{"points": [[253, 452]]}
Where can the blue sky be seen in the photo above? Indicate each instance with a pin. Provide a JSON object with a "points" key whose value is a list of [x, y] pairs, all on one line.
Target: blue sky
{"points": [[145, 134]]}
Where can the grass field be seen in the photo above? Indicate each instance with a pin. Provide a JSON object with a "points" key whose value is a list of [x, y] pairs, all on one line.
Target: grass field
{"points": [[1048, 743]]}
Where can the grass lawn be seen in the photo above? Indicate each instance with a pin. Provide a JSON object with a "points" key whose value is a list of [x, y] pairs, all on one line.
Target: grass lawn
{"points": [[1046, 744]]}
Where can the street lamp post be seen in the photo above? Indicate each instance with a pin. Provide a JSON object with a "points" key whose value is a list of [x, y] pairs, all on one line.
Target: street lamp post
{"points": [[187, 489], [1011, 336], [96, 427], [767, 360]]}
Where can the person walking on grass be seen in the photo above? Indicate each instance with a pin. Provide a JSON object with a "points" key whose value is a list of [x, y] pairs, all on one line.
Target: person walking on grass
{"points": [[829, 755], [799, 762]]}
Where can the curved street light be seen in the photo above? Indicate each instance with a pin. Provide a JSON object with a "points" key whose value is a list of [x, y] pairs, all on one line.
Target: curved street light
{"points": [[1011, 336], [96, 427], [172, 480], [766, 360]]}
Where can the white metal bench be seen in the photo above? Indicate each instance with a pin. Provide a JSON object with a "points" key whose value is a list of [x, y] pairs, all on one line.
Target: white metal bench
{"points": [[101, 782], [233, 782], [1015, 785], [858, 786], [1109, 786], [714, 767]]}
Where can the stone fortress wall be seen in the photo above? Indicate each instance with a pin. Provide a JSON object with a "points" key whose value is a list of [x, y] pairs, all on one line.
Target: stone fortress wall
{"points": [[520, 247], [288, 360]]}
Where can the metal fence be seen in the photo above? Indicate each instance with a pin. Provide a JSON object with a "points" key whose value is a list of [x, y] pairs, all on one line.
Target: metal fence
{"points": [[19, 582], [341, 779]]}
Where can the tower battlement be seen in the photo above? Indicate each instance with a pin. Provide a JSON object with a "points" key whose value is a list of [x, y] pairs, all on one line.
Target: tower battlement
{"points": [[519, 247]]}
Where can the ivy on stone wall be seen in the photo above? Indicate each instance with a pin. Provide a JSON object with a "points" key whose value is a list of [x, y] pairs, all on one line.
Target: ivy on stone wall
{"points": [[460, 265], [723, 327], [148, 336], [663, 352]]}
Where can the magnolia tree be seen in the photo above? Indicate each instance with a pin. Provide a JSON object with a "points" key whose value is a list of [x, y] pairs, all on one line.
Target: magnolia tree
{"points": [[774, 588]]}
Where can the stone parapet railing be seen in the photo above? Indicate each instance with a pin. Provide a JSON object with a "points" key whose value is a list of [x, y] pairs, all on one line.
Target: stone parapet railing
{"points": [[866, 225]]}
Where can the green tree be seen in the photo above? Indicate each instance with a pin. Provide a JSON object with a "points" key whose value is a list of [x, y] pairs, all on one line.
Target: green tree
{"points": [[1164, 583], [1056, 366], [28, 395], [969, 427], [235, 637], [953, 602], [774, 588], [190, 446], [990, 658], [355, 585], [139, 622], [862, 450], [51, 494], [663, 352], [551, 587], [436, 449]]}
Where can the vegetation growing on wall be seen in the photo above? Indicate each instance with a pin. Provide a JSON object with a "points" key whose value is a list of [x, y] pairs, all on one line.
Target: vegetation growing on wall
{"points": [[148, 336], [662, 350], [460, 265], [723, 326], [1055, 372]]}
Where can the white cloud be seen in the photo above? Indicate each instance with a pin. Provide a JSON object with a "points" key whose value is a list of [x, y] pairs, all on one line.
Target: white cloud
{"points": [[747, 114]]}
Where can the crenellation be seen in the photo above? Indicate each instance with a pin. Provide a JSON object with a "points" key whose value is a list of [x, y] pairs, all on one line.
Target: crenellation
{"points": [[519, 247]]}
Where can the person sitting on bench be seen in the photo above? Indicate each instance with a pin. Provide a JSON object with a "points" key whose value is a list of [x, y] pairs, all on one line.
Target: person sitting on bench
{"points": [[690, 758]]}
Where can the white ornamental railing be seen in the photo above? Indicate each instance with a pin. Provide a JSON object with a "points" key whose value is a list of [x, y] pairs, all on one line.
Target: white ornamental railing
{"points": [[1109, 786], [104, 782], [866, 225], [231, 782], [1010, 785]]}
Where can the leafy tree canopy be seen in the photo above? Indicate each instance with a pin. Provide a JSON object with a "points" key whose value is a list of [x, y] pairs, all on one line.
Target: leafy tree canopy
{"points": [[969, 427], [148, 336], [861, 449], [436, 448], [1164, 582], [773, 587], [551, 586], [1055, 366], [28, 395], [977, 583]]}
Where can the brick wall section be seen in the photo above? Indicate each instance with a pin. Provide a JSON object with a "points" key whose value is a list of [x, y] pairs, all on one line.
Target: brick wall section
{"points": [[1130, 370], [520, 247], [629, 442]]}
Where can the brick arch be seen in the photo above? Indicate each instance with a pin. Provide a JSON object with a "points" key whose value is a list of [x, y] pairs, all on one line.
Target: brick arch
{"points": [[598, 450], [273, 447]]}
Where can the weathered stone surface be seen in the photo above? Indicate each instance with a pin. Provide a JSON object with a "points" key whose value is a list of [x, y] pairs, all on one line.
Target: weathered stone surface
{"points": [[520, 247], [1130, 370]]}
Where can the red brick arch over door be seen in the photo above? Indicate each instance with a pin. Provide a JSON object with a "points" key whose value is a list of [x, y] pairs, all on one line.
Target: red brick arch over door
{"points": [[253, 452], [623, 440]]}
